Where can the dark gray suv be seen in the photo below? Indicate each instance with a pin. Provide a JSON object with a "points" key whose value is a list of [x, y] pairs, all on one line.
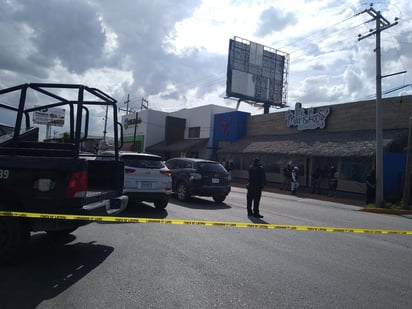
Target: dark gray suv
{"points": [[200, 177]]}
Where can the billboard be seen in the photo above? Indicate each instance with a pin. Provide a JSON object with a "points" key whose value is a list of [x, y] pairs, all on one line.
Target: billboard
{"points": [[256, 73], [50, 116]]}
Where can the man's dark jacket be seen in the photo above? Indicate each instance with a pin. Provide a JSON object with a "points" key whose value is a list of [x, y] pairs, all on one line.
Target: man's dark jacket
{"points": [[257, 177]]}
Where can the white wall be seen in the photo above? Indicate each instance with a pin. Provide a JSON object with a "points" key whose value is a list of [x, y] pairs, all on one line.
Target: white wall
{"points": [[152, 122], [151, 126], [155, 127], [202, 117]]}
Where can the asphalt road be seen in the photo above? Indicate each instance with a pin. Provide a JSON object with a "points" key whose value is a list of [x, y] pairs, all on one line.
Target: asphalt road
{"points": [[113, 265]]}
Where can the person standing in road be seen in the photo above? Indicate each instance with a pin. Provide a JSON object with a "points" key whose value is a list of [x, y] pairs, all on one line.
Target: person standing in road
{"points": [[257, 180]]}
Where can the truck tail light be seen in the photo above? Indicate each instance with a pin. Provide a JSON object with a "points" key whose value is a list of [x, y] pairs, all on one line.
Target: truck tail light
{"points": [[77, 186]]}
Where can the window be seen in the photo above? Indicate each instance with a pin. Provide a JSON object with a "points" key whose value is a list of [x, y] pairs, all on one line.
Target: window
{"points": [[143, 162], [325, 163], [210, 167], [355, 169], [194, 132]]}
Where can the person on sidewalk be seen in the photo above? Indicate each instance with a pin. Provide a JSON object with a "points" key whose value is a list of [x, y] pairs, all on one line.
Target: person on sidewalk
{"points": [[294, 183], [332, 181], [316, 177], [287, 174], [371, 188], [256, 182]]}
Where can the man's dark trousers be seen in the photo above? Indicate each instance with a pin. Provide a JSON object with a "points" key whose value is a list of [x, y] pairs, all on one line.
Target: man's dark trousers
{"points": [[253, 194]]}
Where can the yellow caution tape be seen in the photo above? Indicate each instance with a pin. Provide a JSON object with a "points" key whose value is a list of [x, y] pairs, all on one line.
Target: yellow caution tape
{"points": [[267, 226]]}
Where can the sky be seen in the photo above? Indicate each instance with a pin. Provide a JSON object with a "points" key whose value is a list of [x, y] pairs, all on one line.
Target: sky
{"points": [[174, 54]]}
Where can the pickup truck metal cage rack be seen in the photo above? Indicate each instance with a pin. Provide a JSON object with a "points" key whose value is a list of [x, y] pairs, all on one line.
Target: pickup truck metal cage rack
{"points": [[21, 140]]}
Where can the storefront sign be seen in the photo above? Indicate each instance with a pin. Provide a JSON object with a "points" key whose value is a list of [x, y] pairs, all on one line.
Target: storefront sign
{"points": [[307, 118]]}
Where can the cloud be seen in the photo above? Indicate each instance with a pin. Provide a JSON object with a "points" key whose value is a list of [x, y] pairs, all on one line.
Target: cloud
{"points": [[319, 87], [67, 31], [174, 53], [353, 83]]}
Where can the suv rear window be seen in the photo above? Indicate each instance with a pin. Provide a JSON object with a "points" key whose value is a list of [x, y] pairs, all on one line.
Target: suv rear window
{"points": [[210, 167], [146, 162]]}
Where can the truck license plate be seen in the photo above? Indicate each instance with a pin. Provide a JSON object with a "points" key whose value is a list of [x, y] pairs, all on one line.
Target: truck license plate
{"points": [[215, 180]]}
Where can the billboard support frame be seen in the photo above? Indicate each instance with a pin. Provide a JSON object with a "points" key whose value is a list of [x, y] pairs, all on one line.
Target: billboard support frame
{"points": [[257, 74]]}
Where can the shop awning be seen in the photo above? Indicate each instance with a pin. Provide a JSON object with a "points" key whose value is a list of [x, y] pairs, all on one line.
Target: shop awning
{"points": [[318, 143]]}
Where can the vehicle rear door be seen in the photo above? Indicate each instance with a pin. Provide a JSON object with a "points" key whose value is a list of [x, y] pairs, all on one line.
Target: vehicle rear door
{"points": [[143, 172], [213, 174]]}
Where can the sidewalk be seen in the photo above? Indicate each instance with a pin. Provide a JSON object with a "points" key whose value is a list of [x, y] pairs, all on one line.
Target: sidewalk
{"points": [[341, 197], [303, 193]]}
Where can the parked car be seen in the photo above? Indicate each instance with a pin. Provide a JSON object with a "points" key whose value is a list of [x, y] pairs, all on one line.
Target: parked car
{"points": [[191, 176], [146, 177]]}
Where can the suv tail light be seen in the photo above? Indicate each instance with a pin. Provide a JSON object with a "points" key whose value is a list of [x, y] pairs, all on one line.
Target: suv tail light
{"points": [[166, 171], [77, 185]]}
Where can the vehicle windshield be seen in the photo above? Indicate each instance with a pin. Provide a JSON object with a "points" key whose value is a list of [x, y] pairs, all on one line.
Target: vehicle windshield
{"points": [[147, 162]]}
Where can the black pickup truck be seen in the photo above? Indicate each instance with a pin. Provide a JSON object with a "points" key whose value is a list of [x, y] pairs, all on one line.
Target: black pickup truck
{"points": [[54, 176]]}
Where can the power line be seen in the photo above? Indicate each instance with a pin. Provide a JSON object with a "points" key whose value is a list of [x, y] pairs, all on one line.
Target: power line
{"points": [[210, 81], [319, 32]]}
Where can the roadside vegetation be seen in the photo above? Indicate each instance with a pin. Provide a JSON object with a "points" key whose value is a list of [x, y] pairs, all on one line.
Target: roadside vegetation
{"points": [[389, 205]]}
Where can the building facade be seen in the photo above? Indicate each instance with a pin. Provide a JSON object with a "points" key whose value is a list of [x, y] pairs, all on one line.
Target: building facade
{"points": [[189, 133], [142, 129], [342, 136]]}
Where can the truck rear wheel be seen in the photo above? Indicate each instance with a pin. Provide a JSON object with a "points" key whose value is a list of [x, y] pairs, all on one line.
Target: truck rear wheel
{"points": [[161, 204], [14, 235], [219, 198]]}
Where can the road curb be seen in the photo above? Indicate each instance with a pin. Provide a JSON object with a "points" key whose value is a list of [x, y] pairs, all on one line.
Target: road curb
{"points": [[387, 211]]}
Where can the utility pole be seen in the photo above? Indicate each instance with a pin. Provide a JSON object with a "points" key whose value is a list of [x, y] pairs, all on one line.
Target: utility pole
{"points": [[127, 105], [381, 24], [408, 175]]}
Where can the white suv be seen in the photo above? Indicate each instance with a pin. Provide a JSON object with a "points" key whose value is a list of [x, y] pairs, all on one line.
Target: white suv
{"points": [[146, 177]]}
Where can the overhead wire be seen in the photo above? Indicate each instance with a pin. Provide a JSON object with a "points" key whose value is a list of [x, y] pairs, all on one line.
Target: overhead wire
{"points": [[395, 46], [207, 82], [404, 85], [319, 33]]}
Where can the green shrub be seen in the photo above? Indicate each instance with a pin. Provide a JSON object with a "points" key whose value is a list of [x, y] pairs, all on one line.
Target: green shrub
{"points": [[388, 205]]}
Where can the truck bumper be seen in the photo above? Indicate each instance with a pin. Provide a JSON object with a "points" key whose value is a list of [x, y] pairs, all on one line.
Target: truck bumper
{"points": [[111, 206], [107, 207]]}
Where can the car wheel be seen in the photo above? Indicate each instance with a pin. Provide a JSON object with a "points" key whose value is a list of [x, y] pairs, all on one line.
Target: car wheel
{"points": [[182, 192], [219, 198], [161, 204], [14, 235]]}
